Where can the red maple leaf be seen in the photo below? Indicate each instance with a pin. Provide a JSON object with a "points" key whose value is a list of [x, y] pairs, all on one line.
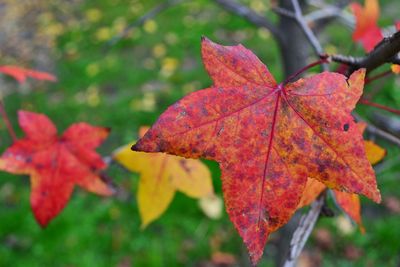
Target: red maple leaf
{"points": [[56, 163], [367, 31], [267, 137], [21, 74]]}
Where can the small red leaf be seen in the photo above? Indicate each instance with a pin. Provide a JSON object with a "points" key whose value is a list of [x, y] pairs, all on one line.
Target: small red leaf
{"points": [[54, 163], [21, 74], [367, 31], [267, 137], [350, 203]]}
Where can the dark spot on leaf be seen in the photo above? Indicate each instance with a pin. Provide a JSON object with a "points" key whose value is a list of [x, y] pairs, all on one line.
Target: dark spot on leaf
{"points": [[346, 127], [327, 211]]}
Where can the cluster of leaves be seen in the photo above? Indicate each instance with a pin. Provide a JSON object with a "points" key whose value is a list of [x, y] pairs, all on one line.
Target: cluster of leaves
{"points": [[259, 132], [367, 32], [57, 163]]}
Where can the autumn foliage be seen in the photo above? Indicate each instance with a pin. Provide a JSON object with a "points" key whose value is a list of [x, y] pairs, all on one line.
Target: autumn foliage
{"points": [[267, 137], [162, 175]]}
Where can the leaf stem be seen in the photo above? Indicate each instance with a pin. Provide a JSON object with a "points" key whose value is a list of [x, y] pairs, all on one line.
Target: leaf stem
{"points": [[376, 105], [324, 59], [7, 122], [378, 76]]}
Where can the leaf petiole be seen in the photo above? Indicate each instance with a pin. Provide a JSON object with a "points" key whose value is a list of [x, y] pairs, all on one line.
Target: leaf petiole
{"points": [[324, 59]]}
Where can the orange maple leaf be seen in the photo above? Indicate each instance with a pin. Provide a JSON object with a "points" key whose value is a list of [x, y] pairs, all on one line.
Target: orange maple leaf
{"points": [[55, 164], [267, 137]]}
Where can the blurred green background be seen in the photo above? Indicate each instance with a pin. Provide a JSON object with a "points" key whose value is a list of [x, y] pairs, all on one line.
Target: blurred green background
{"points": [[128, 84]]}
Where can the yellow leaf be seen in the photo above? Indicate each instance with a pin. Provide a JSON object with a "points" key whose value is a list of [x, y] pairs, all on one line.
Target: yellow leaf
{"points": [[161, 175], [150, 26], [103, 34], [159, 50], [93, 15], [395, 68], [374, 152], [212, 206]]}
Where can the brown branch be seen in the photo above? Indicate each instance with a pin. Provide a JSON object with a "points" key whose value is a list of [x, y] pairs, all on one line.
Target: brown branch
{"points": [[385, 52], [250, 15], [303, 231]]}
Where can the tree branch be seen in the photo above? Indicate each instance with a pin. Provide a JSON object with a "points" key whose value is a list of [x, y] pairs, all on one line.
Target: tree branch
{"points": [[385, 52], [327, 12], [303, 231], [298, 16], [250, 15]]}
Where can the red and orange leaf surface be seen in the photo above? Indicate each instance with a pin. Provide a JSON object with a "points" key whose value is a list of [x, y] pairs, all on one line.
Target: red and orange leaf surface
{"points": [[56, 163], [161, 175], [267, 137], [21, 74], [367, 31], [350, 203]]}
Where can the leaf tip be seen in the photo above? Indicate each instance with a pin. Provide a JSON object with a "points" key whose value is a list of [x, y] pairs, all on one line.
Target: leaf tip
{"points": [[375, 196], [41, 220], [255, 258], [135, 147]]}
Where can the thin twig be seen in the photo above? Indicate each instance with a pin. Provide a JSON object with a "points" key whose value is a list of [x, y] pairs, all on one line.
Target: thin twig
{"points": [[378, 132], [283, 12], [303, 231], [250, 15], [150, 14], [7, 121], [330, 12], [378, 76], [307, 31], [376, 105]]}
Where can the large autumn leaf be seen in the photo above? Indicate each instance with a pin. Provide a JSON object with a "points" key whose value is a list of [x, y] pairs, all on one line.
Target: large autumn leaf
{"points": [[267, 137], [350, 203], [367, 31], [56, 163], [161, 175], [21, 74]]}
